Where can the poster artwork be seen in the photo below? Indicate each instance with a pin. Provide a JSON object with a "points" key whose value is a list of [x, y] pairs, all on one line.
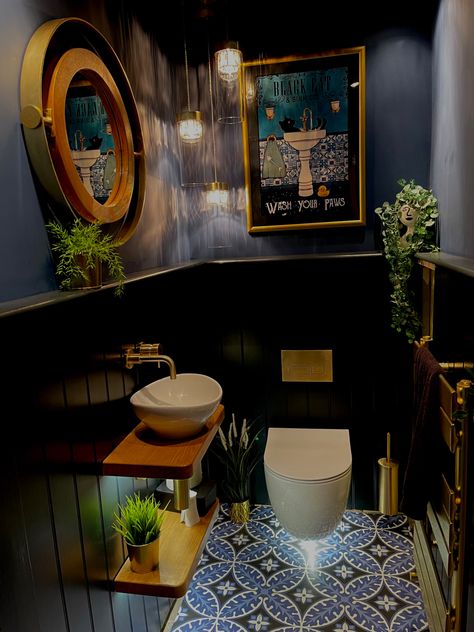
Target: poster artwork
{"points": [[303, 132]]}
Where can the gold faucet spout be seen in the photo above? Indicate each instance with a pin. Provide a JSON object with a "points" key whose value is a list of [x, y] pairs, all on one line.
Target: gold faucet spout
{"points": [[167, 360], [81, 140], [148, 353], [304, 118]]}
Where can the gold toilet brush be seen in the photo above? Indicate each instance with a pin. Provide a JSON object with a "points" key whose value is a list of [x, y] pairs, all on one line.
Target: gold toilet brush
{"points": [[388, 483]]}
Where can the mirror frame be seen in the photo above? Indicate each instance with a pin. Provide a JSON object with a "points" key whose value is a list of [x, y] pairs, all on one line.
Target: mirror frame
{"points": [[57, 52]]}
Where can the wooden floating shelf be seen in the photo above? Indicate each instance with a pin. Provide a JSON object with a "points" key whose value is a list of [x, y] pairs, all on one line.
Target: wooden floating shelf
{"points": [[180, 550], [142, 453]]}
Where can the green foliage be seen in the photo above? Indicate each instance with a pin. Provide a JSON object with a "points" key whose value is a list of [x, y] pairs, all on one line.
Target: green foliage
{"points": [[80, 248], [139, 520], [400, 250], [239, 453]]}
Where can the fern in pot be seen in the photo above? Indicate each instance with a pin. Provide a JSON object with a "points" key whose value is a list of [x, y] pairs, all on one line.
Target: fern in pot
{"points": [[81, 252], [139, 521]]}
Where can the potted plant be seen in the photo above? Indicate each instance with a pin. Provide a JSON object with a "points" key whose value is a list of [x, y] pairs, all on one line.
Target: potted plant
{"points": [[139, 522], [240, 453], [82, 251], [408, 227]]}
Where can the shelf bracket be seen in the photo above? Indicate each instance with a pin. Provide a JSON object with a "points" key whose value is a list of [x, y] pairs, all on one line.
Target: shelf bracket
{"points": [[181, 493]]}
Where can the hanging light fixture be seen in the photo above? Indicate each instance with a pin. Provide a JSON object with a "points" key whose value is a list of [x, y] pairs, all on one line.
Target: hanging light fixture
{"points": [[228, 62], [217, 193], [190, 127]]}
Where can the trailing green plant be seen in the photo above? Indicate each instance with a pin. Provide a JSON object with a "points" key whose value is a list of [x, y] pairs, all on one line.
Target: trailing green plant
{"points": [[80, 248], [408, 227], [139, 520], [240, 453]]}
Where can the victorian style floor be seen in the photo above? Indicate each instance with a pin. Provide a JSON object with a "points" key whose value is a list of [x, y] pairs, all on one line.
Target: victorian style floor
{"points": [[255, 577]]}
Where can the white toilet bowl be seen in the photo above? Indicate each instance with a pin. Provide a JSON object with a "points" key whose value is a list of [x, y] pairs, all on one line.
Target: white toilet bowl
{"points": [[308, 476]]}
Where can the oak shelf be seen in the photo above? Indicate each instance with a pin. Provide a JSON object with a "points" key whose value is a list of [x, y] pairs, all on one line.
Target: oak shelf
{"points": [[180, 550], [142, 453]]}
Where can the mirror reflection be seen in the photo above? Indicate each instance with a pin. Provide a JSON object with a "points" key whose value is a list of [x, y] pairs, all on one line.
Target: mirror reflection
{"points": [[90, 137]]}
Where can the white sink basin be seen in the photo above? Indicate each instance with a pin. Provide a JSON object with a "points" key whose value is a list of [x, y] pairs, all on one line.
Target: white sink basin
{"points": [[302, 141], [86, 158], [177, 408]]}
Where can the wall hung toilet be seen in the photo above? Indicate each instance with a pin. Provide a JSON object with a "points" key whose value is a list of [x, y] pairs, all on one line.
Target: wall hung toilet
{"points": [[308, 476]]}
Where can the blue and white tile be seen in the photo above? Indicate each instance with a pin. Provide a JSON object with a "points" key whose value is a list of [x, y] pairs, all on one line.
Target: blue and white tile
{"points": [[257, 577]]}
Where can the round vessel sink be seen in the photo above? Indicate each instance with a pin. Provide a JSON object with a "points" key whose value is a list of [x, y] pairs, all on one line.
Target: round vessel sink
{"points": [[177, 408]]}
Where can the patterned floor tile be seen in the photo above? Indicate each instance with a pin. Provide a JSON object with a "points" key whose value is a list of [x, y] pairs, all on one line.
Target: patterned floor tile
{"points": [[256, 577]]}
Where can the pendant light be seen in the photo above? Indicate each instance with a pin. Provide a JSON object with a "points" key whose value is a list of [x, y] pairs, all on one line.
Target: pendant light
{"points": [[190, 126], [227, 62], [218, 215], [189, 121], [217, 193], [190, 132]]}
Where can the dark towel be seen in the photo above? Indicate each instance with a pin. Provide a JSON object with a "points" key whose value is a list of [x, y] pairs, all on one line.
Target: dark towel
{"points": [[424, 448]]}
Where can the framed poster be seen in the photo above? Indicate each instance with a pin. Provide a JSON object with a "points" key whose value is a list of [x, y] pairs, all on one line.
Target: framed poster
{"points": [[304, 136]]}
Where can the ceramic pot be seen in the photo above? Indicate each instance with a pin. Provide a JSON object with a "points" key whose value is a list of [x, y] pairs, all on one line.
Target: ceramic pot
{"points": [[240, 512], [144, 558]]}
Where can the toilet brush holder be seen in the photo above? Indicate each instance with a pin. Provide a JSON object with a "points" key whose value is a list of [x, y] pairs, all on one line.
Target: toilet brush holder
{"points": [[388, 483]]}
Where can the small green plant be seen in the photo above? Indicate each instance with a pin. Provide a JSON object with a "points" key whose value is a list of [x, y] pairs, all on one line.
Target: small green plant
{"points": [[408, 227], [80, 249], [239, 453], [139, 520]]}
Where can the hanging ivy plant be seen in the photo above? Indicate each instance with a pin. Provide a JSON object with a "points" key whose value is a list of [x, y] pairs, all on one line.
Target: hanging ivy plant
{"points": [[408, 227]]}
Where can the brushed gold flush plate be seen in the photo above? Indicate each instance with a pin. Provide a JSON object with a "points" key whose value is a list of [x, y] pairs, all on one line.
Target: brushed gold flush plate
{"points": [[309, 365]]}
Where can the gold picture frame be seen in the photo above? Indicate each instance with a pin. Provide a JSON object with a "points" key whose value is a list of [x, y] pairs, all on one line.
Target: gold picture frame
{"points": [[304, 141]]}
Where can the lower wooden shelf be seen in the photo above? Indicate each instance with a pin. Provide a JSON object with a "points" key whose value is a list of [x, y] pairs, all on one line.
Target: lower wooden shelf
{"points": [[180, 550]]}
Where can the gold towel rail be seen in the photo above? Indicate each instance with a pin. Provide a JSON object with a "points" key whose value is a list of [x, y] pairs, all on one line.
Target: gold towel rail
{"points": [[451, 366], [447, 366]]}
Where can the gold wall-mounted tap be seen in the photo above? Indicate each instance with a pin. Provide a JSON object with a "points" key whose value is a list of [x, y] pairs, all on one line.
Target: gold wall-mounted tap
{"points": [[144, 352]]}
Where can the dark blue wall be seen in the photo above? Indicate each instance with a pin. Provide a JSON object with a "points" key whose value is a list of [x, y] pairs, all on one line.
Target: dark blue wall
{"points": [[453, 125], [66, 404], [173, 227]]}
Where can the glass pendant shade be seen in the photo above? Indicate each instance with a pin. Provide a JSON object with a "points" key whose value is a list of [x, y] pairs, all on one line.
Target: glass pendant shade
{"points": [[217, 194], [190, 126], [218, 215], [228, 62], [191, 150]]}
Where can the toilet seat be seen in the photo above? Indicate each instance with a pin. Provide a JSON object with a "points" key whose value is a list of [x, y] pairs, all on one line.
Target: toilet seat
{"points": [[319, 481], [308, 455]]}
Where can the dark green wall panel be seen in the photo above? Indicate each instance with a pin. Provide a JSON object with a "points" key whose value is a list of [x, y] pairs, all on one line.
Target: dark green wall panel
{"points": [[230, 320]]}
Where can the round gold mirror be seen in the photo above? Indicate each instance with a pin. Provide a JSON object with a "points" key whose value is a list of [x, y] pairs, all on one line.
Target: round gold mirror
{"points": [[81, 126]]}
